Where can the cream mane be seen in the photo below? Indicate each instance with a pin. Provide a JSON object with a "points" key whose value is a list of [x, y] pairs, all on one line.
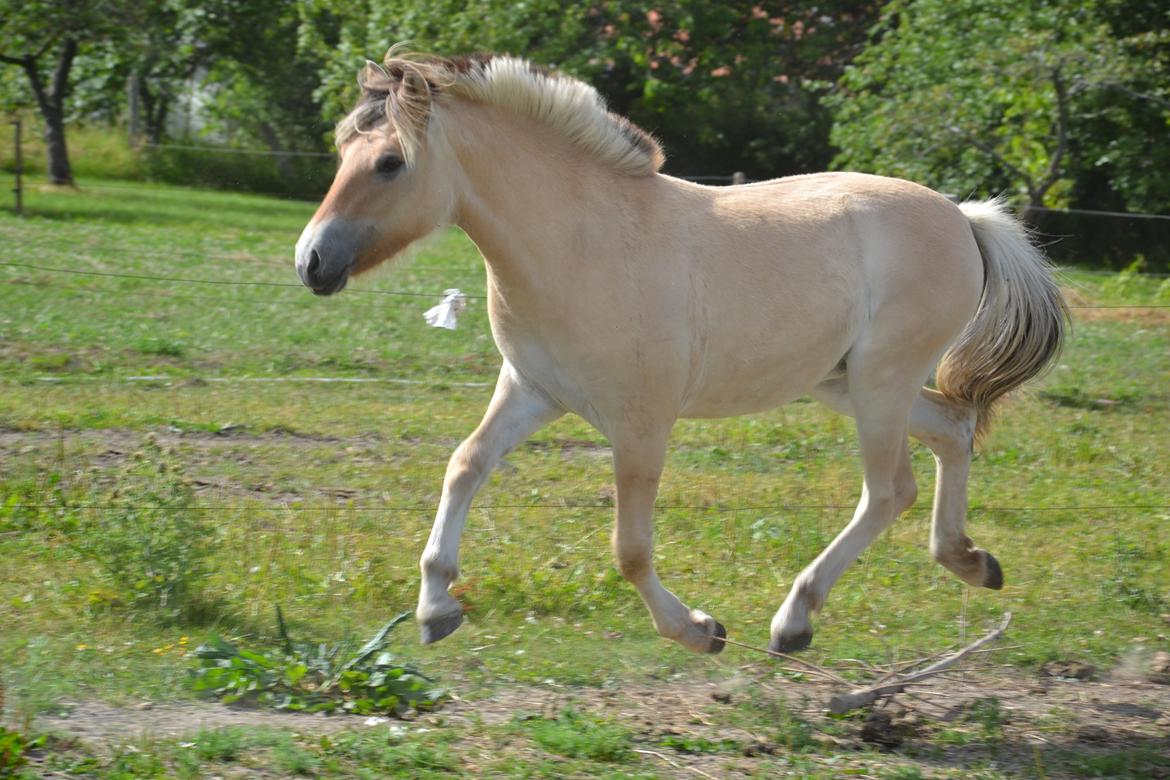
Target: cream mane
{"points": [[404, 86]]}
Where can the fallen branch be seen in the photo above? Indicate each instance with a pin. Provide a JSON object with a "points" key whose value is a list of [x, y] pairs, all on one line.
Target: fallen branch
{"points": [[673, 764], [808, 665], [860, 697]]}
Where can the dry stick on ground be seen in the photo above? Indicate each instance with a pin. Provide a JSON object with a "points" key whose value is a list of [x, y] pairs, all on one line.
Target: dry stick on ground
{"points": [[906, 665], [843, 702], [656, 754], [809, 667]]}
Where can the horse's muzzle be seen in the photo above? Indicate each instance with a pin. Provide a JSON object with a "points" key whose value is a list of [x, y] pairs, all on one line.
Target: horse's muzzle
{"points": [[316, 275], [324, 257]]}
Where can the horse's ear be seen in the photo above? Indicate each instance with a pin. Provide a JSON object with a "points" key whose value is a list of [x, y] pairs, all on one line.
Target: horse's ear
{"points": [[410, 103], [415, 88], [373, 78]]}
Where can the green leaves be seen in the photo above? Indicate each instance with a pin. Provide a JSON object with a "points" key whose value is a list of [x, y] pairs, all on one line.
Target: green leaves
{"points": [[994, 95], [725, 86], [13, 747], [315, 677]]}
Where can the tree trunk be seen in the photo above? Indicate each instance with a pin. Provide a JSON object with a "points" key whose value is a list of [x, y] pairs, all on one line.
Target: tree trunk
{"points": [[156, 105], [283, 165], [51, 101], [60, 171]]}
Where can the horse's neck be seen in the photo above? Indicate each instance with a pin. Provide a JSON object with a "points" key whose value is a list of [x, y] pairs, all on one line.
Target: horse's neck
{"points": [[532, 199]]}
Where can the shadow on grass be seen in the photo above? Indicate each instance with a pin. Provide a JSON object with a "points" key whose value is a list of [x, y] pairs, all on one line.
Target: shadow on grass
{"points": [[127, 212], [217, 615], [1077, 399]]}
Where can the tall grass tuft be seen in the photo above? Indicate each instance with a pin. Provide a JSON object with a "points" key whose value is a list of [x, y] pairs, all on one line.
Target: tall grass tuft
{"points": [[149, 536]]}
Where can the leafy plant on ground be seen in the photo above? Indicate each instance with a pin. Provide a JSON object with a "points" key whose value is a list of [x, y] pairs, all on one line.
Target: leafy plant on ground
{"points": [[692, 744], [14, 747], [315, 677], [148, 535]]}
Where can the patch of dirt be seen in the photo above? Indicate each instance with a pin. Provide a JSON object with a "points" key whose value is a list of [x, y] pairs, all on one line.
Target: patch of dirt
{"points": [[1069, 670], [1092, 313], [102, 725], [103, 451], [1053, 719], [1160, 669], [1135, 315]]}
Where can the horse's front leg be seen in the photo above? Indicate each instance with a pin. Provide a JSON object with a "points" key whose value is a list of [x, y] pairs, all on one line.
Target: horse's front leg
{"points": [[516, 411], [637, 468]]}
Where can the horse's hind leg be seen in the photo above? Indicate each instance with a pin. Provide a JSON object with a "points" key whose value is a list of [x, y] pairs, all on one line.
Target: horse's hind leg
{"points": [[637, 468], [949, 430], [887, 490], [515, 412]]}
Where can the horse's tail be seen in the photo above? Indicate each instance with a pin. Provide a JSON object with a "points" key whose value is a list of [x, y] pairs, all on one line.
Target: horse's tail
{"points": [[1019, 327]]}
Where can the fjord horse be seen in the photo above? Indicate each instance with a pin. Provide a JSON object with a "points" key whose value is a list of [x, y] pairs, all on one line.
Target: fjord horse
{"points": [[633, 299]]}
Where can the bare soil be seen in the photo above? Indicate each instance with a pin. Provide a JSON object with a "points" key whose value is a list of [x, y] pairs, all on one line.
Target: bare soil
{"points": [[1043, 721]]}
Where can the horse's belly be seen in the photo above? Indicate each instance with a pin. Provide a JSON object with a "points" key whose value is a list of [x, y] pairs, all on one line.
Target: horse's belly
{"points": [[764, 345], [755, 386]]}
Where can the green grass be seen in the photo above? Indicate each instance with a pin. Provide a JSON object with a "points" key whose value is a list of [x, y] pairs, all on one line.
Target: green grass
{"points": [[576, 736], [319, 495], [99, 154]]}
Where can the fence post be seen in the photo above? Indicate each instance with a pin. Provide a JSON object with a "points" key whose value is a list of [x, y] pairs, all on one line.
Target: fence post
{"points": [[18, 190], [739, 177]]}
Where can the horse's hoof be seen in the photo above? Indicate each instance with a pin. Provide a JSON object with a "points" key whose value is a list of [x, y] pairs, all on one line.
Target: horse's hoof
{"points": [[791, 644], [717, 643], [434, 630], [993, 579]]}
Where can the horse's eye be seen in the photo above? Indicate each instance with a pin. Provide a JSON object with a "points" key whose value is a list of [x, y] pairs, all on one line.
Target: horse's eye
{"points": [[388, 165]]}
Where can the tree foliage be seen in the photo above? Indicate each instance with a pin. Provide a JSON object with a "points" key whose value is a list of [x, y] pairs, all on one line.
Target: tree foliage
{"points": [[1056, 101], [1035, 99], [724, 85], [43, 39]]}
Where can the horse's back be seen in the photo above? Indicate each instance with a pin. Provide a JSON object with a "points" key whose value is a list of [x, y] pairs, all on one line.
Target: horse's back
{"points": [[793, 273]]}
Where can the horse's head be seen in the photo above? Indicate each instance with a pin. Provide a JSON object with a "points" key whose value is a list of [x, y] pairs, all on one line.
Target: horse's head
{"points": [[392, 185]]}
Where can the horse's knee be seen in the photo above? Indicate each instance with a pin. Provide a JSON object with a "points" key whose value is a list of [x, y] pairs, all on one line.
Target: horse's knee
{"points": [[905, 493], [881, 502], [468, 464], [633, 564]]}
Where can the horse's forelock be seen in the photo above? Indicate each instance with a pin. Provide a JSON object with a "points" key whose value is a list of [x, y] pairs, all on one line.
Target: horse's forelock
{"points": [[382, 98]]}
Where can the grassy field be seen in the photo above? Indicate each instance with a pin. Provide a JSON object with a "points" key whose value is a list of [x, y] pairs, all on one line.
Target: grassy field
{"points": [[317, 496]]}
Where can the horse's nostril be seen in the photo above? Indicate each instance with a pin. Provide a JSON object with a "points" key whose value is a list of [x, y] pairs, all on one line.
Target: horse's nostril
{"points": [[314, 265]]}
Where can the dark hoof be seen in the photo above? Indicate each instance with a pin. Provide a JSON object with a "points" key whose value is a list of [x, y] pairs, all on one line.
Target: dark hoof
{"points": [[717, 643], [994, 578], [438, 629], [792, 644]]}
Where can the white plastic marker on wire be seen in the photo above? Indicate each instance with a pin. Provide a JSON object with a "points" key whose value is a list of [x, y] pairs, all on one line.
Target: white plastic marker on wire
{"points": [[446, 314]]}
